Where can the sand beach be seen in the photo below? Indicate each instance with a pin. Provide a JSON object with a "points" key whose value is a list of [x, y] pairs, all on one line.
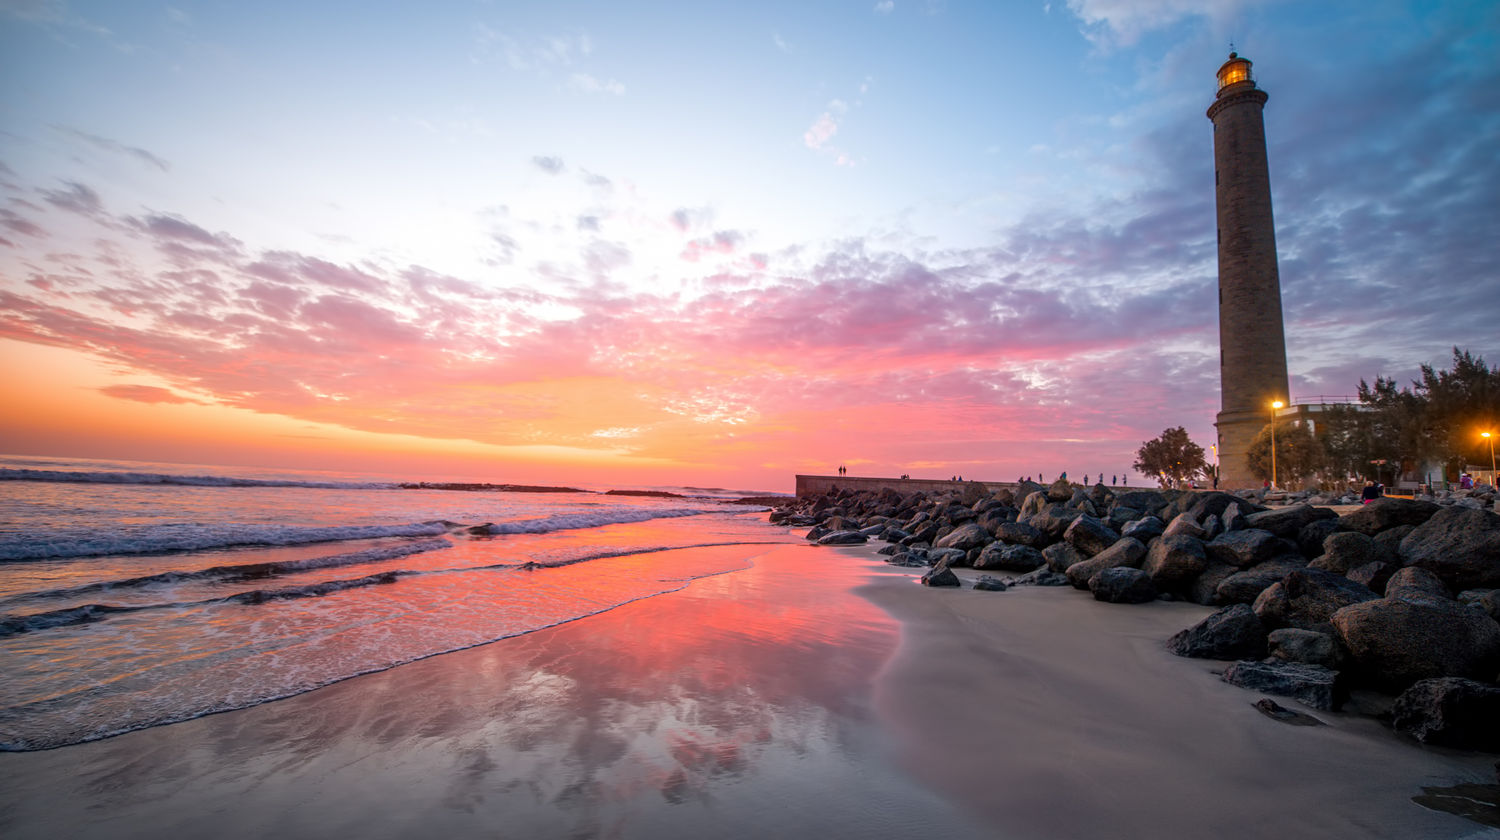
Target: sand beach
{"points": [[818, 693]]}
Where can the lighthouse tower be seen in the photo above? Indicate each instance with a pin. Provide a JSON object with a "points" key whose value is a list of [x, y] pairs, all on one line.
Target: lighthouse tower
{"points": [[1252, 345]]}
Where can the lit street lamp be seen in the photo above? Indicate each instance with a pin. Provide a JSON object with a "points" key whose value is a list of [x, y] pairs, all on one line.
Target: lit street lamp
{"points": [[1494, 479], [1275, 407]]}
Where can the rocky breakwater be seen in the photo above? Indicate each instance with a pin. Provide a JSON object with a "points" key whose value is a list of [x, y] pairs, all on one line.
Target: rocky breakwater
{"points": [[1398, 600]]}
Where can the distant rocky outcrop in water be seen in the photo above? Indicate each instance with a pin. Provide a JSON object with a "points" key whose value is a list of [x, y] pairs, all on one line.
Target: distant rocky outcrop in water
{"points": [[1399, 596]]}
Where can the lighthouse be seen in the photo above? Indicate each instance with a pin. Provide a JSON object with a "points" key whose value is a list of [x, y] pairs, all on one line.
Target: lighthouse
{"points": [[1252, 343]]}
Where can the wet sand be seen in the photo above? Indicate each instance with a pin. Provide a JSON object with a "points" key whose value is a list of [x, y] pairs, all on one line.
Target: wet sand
{"points": [[1049, 714], [819, 694]]}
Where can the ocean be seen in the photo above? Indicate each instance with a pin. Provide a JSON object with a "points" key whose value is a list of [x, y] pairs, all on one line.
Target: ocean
{"points": [[138, 594]]}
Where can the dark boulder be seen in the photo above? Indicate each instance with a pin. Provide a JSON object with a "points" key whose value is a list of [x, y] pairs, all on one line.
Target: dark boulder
{"points": [[1415, 584], [1450, 712], [1089, 535], [1373, 575], [951, 557], [1288, 521], [1312, 685], [1293, 644], [1011, 558], [1308, 598], [1060, 556], [1119, 516], [1127, 551], [941, 576], [1122, 585], [1387, 512], [1215, 503], [1233, 517], [1059, 491], [1174, 561], [1041, 577], [1483, 599], [1244, 587], [990, 584], [1233, 632], [1205, 587], [843, 538], [1053, 520], [1394, 643], [1390, 539], [1145, 529], [1021, 534], [1186, 524], [1345, 550], [966, 536], [1461, 545], [1311, 537], [1146, 501], [1246, 548]]}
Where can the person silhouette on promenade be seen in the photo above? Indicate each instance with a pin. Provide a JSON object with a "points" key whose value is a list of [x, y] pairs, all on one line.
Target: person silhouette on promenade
{"points": [[1113, 480]]}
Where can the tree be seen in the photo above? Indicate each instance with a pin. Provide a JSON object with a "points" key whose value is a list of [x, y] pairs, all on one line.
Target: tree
{"points": [[1172, 455], [1299, 456], [1458, 405]]}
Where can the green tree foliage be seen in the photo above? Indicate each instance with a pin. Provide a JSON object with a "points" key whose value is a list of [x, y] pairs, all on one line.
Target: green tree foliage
{"points": [[1172, 454], [1436, 418], [1299, 455]]}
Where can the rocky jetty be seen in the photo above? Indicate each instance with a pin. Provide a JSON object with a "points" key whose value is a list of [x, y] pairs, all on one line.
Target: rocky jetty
{"points": [[1401, 596]]}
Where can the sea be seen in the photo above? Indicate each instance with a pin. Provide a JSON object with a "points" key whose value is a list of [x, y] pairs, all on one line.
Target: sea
{"points": [[137, 594]]}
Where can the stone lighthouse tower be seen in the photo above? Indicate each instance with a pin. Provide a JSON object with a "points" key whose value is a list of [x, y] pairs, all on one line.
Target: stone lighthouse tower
{"points": [[1252, 345]]}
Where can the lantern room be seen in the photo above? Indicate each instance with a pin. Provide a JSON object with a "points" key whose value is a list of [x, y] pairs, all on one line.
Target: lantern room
{"points": [[1234, 71]]}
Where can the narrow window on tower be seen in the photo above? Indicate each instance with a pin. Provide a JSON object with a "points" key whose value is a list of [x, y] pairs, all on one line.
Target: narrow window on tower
{"points": [[1216, 177]]}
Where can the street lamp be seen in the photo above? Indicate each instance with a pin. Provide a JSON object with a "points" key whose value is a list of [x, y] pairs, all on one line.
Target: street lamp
{"points": [[1494, 478], [1275, 407]]}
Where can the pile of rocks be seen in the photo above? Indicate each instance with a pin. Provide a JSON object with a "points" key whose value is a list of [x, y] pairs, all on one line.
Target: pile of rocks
{"points": [[1400, 596]]}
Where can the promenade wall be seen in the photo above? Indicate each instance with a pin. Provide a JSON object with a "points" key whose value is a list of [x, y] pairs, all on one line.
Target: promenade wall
{"points": [[816, 485]]}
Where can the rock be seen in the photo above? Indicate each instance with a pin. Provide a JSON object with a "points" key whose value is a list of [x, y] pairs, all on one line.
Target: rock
{"points": [[1060, 556], [1387, 512], [1186, 524], [1205, 587], [1059, 491], [1395, 643], [843, 538], [1450, 712], [1145, 529], [1244, 587], [1127, 551], [1416, 584], [1484, 599], [1311, 537], [1233, 632], [1461, 545], [1041, 577], [1120, 516], [1372, 575], [950, 557], [1174, 561], [1122, 585], [1012, 558], [1293, 644], [1146, 501], [1345, 550], [1246, 548], [1033, 504], [1053, 520], [1390, 539], [1313, 685], [1288, 521], [814, 534], [1271, 709], [941, 576], [1308, 598], [1233, 518], [890, 550], [989, 584], [893, 534], [1214, 503], [1212, 527], [1021, 534], [1089, 536], [966, 536]]}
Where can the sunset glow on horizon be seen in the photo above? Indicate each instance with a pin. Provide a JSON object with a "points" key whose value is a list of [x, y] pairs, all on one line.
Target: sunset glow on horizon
{"points": [[575, 242]]}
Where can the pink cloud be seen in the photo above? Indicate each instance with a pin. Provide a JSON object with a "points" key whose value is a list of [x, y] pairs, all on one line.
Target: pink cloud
{"points": [[145, 394]]}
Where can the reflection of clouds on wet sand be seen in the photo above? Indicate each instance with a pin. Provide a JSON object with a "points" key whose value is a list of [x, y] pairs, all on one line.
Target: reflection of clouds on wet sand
{"points": [[739, 706]]}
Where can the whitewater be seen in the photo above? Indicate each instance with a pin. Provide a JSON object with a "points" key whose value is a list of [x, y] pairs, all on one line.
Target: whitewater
{"points": [[140, 594]]}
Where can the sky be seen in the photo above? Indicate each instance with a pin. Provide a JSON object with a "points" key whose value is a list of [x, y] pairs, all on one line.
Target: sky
{"points": [[711, 243]]}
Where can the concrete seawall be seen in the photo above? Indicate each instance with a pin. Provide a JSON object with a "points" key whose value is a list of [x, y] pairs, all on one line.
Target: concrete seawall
{"points": [[816, 485]]}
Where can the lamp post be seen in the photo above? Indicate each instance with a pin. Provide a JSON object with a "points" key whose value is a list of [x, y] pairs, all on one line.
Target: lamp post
{"points": [[1494, 478], [1275, 407]]}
